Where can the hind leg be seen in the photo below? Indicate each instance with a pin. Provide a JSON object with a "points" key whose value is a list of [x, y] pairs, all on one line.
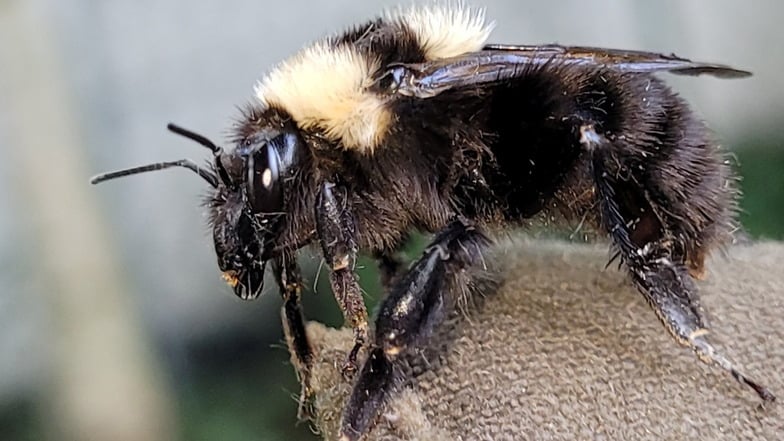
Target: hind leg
{"points": [[654, 257]]}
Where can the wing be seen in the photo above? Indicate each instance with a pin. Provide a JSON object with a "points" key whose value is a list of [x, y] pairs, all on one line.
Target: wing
{"points": [[502, 62]]}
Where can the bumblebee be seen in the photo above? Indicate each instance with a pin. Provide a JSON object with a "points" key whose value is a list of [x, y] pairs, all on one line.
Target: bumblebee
{"points": [[412, 122]]}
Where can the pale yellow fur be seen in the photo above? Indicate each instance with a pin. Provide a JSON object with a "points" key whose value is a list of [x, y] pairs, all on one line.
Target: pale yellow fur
{"points": [[326, 87], [447, 30]]}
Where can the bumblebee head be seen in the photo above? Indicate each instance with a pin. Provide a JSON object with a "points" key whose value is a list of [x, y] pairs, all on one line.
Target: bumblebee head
{"points": [[249, 207], [247, 204]]}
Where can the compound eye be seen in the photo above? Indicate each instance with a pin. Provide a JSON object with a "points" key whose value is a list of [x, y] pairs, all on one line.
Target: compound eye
{"points": [[264, 189]]}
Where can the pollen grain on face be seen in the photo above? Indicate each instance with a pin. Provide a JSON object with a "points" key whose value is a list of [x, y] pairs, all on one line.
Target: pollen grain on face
{"points": [[231, 278]]}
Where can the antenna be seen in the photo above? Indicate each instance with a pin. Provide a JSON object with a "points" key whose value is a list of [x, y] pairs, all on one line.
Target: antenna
{"points": [[187, 163], [224, 176], [195, 137], [208, 175]]}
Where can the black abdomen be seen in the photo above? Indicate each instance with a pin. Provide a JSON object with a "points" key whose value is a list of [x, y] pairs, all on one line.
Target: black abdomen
{"points": [[673, 181], [531, 121]]}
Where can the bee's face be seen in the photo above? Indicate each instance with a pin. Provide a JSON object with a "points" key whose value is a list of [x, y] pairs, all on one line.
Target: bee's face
{"points": [[241, 256], [250, 187], [249, 209]]}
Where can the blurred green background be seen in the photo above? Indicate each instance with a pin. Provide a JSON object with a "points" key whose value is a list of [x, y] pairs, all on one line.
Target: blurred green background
{"points": [[114, 323]]}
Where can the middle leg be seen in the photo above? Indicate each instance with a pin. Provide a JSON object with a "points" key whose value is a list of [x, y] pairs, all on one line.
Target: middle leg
{"points": [[416, 305]]}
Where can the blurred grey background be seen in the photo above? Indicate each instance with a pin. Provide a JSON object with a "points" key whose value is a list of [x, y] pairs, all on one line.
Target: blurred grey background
{"points": [[114, 323]]}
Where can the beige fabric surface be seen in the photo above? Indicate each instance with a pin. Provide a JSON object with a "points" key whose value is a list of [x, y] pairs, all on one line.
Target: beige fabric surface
{"points": [[566, 350]]}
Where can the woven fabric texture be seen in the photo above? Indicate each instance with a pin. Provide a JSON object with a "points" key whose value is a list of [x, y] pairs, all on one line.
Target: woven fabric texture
{"points": [[564, 349]]}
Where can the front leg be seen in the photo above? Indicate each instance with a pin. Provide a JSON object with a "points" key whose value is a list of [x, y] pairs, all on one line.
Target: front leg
{"points": [[337, 235], [416, 305], [289, 280]]}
